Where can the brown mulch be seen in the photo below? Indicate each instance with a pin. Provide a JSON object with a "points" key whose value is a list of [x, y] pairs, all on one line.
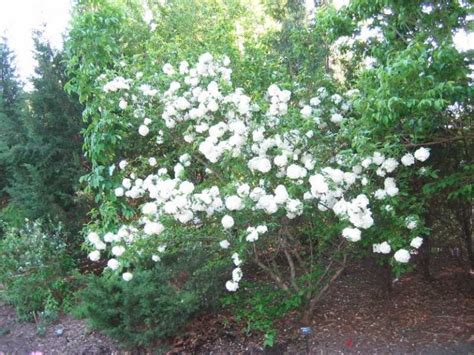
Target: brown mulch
{"points": [[357, 316], [23, 337]]}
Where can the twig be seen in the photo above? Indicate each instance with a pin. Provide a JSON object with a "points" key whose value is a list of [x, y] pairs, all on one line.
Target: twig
{"points": [[269, 271]]}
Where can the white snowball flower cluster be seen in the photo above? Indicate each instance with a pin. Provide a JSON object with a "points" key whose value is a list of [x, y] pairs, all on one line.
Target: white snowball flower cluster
{"points": [[278, 101], [253, 233], [118, 83], [382, 248], [416, 242], [227, 222], [422, 154], [351, 234], [402, 256]]}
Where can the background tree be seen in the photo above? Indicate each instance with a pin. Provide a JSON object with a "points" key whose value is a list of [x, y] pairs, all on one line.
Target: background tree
{"points": [[11, 129], [43, 149]]}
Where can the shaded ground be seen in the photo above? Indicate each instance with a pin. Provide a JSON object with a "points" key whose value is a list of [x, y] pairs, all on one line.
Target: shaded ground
{"points": [[357, 316], [23, 338]]}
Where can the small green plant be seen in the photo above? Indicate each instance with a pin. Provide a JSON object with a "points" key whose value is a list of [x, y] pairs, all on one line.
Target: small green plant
{"points": [[259, 306], [34, 265]]}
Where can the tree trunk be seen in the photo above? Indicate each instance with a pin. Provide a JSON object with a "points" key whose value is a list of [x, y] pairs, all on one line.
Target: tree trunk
{"points": [[465, 217]]}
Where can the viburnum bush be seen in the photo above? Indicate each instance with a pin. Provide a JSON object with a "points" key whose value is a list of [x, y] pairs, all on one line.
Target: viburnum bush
{"points": [[271, 180], [284, 152]]}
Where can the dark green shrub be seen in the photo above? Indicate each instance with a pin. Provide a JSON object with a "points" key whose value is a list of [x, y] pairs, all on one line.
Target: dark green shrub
{"points": [[156, 303]]}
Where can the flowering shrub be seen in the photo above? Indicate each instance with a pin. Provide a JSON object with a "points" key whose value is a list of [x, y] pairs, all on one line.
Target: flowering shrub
{"points": [[272, 175], [254, 153]]}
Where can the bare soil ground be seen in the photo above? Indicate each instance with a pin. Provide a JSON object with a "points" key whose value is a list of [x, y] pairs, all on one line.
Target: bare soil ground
{"points": [[357, 316], [23, 337]]}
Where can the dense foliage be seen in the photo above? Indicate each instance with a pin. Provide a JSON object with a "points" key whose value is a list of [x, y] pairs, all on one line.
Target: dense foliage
{"points": [[41, 147], [161, 301], [35, 268]]}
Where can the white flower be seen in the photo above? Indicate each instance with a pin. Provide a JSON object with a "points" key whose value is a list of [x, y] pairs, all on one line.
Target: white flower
{"points": [[416, 242], [402, 256], [390, 187], [280, 160], [351, 234], [182, 104], [411, 223], [117, 84], [340, 207], [234, 203], [118, 250], [422, 154], [306, 111], [390, 165], [143, 130], [94, 255], [186, 187], [113, 264], [281, 195], [318, 184], [408, 159], [336, 118], [243, 190], [149, 208], [100, 245], [119, 192], [267, 203], [109, 237], [284, 95], [381, 172], [153, 228], [273, 90], [383, 248], [315, 101], [168, 69], [350, 178], [260, 164], [252, 236], [295, 172], [237, 274], [378, 158], [231, 286], [93, 238], [123, 164], [127, 276], [257, 135], [227, 222], [152, 161], [224, 244], [123, 104], [127, 183], [236, 259], [155, 258], [366, 162]]}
